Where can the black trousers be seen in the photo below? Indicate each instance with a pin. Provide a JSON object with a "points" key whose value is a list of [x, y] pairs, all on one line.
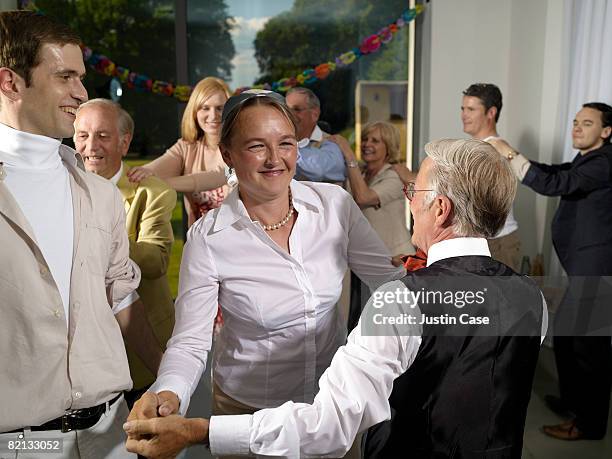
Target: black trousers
{"points": [[584, 364]]}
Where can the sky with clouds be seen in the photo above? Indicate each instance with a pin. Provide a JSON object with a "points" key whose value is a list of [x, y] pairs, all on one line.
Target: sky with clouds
{"points": [[250, 16]]}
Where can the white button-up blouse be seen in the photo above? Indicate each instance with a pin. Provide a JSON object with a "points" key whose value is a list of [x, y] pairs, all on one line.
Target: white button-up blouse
{"points": [[281, 324]]}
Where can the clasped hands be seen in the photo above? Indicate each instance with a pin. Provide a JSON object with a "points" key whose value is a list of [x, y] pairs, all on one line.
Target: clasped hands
{"points": [[155, 430]]}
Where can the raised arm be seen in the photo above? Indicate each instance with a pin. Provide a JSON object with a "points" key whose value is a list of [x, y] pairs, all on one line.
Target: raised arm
{"points": [[363, 194], [584, 175]]}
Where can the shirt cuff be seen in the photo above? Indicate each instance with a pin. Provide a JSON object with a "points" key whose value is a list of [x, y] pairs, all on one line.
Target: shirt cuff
{"points": [[520, 165], [173, 384], [127, 301], [229, 435]]}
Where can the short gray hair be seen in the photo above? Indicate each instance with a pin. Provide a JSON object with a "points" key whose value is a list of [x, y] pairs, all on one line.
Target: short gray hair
{"points": [[313, 100], [125, 123], [477, 180]]}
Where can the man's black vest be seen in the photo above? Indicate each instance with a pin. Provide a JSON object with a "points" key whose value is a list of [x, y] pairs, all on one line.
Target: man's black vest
{"points": [[467, 396]]}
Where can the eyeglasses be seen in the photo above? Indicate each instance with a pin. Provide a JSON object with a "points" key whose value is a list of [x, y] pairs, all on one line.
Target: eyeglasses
{"points": [[299, 109], [409, 190]]}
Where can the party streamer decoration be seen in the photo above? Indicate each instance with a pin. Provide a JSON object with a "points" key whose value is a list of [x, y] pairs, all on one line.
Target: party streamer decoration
{"points": [[143, 83]]}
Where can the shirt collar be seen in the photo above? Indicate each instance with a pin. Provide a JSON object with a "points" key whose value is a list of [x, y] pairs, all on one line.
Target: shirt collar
{"points": [[315, 136], [23, 150], [233, 209], [115, 178], [458, 247]]}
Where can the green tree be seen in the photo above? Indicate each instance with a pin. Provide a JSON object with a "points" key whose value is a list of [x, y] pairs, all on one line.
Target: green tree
{"points": [[315, 31], [140, 35], [211, 48]]}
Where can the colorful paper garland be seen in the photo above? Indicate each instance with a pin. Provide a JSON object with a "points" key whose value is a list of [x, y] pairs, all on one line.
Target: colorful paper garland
{"points": [[143, 83], [369, 45]]}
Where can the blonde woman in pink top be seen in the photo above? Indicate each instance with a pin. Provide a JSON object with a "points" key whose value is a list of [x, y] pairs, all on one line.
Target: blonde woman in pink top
{"points": [[193, 165]]}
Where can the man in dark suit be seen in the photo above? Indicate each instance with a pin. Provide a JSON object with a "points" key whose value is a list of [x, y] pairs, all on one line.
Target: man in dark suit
{"points": [[582, 237]]}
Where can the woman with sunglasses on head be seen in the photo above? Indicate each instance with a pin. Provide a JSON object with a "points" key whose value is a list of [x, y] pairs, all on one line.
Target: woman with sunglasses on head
{"points": [[273, 255], [193, 165], [377, 189]]}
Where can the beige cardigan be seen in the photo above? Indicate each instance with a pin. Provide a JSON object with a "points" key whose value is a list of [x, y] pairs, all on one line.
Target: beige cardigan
{"points": [[388, 219]]}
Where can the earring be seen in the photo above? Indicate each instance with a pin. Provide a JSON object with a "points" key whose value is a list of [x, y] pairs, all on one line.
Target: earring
{"points": [[230, 176]]}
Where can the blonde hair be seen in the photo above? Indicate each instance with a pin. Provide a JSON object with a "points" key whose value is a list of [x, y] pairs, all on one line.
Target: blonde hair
{"points": [[190, 129], [389, 135], [477, 180]]}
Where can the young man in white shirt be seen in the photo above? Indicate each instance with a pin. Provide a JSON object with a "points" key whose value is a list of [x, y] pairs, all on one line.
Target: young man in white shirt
{"points": [[66, 282], [480, 110]]}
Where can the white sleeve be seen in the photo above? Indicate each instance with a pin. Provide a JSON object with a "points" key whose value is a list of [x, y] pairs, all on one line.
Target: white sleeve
{"points": [[368, 256], [126, 302], [195, 311], [353, 396]]}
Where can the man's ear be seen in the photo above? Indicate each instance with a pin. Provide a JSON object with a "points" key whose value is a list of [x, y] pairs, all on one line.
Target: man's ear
{"points": [[10, 83], [444, 211], [492, 113], [126, 140], [605, 133]]}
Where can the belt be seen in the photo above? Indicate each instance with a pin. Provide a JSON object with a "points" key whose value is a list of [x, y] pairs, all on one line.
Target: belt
{"points": [[74, 419]]}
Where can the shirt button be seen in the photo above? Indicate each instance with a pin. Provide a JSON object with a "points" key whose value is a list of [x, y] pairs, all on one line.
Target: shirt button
{"points": [[77, 395], [43, 271], [57, 313]]}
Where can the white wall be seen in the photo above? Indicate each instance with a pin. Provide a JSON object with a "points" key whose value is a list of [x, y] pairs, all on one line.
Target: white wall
{"points": [[517, 45]]}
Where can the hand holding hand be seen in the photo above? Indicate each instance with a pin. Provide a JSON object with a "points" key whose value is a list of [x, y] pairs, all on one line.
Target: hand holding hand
{"points": [[164, 438], [139, 173], [168, 403], [152, 405]]}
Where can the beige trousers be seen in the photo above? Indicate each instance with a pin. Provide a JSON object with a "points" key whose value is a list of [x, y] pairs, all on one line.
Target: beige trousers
{"points": [[105, 440], [224, 404], [507, 250]]}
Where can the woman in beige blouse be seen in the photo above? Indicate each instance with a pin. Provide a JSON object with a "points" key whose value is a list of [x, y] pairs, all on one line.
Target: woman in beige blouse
{"points": [[193, 165], [376, 187], [378, 191]]}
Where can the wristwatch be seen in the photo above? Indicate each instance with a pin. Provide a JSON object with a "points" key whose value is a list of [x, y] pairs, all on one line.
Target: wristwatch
{"points": [[352, 163]]}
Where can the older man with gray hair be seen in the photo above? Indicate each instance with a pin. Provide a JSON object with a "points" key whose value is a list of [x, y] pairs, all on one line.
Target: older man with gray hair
{"points": [[103, 132], [466, 366], [319, 159]]}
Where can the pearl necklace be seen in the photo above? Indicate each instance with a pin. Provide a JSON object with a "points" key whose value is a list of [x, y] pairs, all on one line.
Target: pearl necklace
{"points": [[284, 221]]}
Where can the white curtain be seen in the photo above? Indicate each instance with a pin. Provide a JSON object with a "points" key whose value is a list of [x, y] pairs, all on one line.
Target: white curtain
{"points": [[587, 73], [589, 60]]}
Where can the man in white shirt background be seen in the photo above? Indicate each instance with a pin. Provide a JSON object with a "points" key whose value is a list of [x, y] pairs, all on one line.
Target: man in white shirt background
{"points": [[355, 389], [66, 282], [480, 110]]}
